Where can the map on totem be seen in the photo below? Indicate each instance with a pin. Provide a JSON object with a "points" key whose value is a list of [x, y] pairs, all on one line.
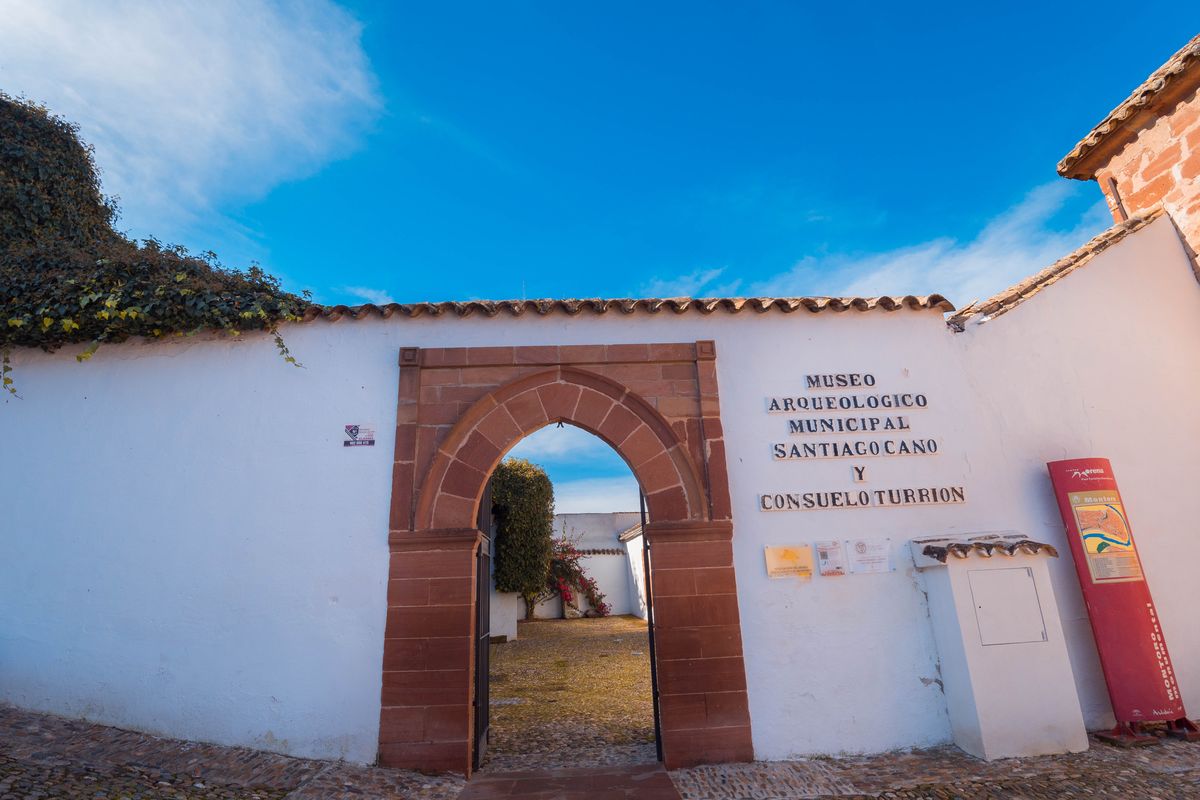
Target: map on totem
{"points": [[1107, 543]]}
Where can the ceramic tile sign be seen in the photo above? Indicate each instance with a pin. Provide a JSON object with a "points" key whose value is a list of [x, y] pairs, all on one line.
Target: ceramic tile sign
{"points": [[831, 558], [790, 562], [850, 415], [359, 436], [868, 556]]}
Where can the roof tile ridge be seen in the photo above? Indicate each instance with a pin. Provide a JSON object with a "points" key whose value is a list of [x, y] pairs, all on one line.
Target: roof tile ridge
{"points": [[1142, 97], [1014, 295]]}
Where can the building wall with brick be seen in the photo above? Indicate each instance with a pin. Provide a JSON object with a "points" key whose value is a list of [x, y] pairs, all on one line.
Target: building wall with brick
{"points": [[229, 580], [1160, 166], [191, 550], [1146, 153]]}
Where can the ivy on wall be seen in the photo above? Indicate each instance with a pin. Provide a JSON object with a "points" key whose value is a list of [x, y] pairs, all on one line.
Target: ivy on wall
{"points": [[68, 277]]}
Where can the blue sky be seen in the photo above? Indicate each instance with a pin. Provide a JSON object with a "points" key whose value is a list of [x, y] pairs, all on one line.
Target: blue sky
{"points": [[372, 151]]}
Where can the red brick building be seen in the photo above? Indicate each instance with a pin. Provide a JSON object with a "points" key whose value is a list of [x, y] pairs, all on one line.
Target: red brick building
{"points": [[1146, 152]]}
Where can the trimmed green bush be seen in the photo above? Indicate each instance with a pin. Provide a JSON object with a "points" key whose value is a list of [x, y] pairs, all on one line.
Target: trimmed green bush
{"points": [[523, 507]]}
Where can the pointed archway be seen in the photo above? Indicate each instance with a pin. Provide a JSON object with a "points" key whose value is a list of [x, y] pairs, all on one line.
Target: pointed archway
{"points": [[459, 411]]}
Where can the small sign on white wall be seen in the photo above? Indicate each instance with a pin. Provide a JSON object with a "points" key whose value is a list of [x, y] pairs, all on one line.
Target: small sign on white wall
{"points": [[359, 436], [870, 555], [831, 558], [789, 562]]}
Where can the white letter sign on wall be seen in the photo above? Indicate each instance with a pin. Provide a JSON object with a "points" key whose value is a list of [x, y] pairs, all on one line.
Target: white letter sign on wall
{"points": [[847, 415]]}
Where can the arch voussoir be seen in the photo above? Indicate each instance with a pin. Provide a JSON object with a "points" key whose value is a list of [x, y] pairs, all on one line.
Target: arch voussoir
{"points": [[592, 408], [450, 510], [463, 480], [597, 383], [659, 473], [527, 411], [479, 452], [499, 427], [559, 399], [671, 503], [641, 445], [524, 383], [618, 424]]}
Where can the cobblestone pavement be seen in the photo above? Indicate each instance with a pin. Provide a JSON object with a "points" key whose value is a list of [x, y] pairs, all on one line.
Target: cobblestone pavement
{"points": [[43, 756], [47, 756], [571, 694], [1168, 771]]}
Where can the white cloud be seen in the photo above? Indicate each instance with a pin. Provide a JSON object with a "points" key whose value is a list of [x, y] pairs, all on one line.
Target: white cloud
{"points": [[692, 284], [564, 444], [1014, 245], [193, 104], [379, 297], [596, 495]]}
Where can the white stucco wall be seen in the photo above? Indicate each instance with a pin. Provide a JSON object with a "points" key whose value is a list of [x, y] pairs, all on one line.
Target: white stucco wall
{"points": [[591, 530], [601, 532], [505, 609], [1102, 363], [611, 573], [635, 560], [190, 550]]}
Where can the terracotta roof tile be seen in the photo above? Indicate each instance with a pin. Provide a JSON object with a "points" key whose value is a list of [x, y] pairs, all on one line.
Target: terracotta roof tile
{"points": [[653, 305], [1180, 74], [986, 546], [987, 549], [1013, 296]]}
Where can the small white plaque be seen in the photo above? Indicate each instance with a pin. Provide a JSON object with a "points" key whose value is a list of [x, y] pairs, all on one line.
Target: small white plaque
{"points": [[831, 558], [868, 556]]}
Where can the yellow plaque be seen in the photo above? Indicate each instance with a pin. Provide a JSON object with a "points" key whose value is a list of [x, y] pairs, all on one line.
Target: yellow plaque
{"points": [[790, 562]]}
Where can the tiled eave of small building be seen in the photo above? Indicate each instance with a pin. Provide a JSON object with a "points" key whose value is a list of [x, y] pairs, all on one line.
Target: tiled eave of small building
{"points": [[1013, 296], [653, 305], [1167, 85], [631, 533]]}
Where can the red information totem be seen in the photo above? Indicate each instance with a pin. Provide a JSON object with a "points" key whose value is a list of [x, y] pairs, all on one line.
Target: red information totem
{"points": [[1133, 653]]}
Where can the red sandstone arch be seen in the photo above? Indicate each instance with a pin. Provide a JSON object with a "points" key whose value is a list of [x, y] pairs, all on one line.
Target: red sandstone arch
{"points": [[459, 410], [449, 496]]}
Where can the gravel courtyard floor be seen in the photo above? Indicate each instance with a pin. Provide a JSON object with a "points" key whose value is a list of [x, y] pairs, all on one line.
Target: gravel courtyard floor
{"points": [[571, 693]]}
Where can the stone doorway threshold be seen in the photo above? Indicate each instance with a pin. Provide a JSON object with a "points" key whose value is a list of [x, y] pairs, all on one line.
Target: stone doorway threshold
{"points": [[641, 782]]}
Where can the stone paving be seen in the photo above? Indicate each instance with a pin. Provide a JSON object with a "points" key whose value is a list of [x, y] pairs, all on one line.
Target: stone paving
{"points": [[627, 782], [46, 756], [1168, 771]]}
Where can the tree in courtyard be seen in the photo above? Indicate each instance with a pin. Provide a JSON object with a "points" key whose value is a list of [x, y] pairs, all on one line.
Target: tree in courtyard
{"points": [[523, 507]]}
